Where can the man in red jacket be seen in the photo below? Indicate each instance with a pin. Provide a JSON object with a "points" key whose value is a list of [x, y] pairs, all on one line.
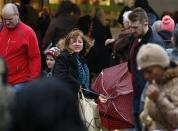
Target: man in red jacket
{"points": [[19, 48]]}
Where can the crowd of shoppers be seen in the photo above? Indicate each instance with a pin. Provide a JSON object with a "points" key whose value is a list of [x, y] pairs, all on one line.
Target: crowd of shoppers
{"points": [[73, 55]]}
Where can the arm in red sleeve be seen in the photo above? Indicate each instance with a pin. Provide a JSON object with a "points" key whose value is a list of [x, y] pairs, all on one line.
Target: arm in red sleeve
{"points": [[34, 56]]}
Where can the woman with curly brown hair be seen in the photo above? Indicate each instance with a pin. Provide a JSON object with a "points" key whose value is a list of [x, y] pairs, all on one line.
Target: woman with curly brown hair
{"points": [[70, 65]]}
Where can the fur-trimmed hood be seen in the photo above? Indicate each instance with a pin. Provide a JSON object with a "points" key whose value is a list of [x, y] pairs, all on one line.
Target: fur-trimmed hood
{"points": [[169, 74]]}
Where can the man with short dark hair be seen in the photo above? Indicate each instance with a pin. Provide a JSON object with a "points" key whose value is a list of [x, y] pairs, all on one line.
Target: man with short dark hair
{"points": [[19, 48], [143, 34]]}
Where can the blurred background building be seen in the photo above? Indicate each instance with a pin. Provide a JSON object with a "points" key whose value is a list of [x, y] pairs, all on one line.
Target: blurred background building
{"points": [[111, 7]]}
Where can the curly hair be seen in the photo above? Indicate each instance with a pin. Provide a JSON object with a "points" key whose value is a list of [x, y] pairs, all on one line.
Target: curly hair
{"points": [[73, 35]]}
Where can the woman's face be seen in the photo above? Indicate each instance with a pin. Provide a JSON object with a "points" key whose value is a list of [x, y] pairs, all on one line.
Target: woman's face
{"points": [[50, 61], [76, 45], [153, 73]]}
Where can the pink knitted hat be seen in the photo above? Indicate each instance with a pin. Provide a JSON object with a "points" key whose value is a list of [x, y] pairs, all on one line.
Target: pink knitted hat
{"points": [[167, 23]]}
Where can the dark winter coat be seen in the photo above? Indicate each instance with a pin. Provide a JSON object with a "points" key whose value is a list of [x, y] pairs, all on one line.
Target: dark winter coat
{"points": [[166, 36], [99, 55], [29, 16], [66, 69], [59, 27], [149, 37], [138, 80], [6, 98], [6, 102], [46, 105]]}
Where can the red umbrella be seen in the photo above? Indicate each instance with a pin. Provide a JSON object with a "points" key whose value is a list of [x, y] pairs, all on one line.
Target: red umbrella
{"points": [[115, 82]]}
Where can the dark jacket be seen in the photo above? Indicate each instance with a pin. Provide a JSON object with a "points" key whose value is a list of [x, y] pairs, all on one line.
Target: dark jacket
{"points": [[46, 74], [59, 27], [29, 16], [166, 36], [66, 69], [149, 37], [6, 98], [138, 80], [99, 55], [46, 105]]}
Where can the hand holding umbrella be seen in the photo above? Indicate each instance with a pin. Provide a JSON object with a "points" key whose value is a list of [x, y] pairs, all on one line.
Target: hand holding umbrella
{"points": [[102, 98]]}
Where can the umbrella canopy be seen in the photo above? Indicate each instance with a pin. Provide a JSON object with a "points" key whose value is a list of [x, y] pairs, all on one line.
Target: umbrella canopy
{"points": [[115, 82]]}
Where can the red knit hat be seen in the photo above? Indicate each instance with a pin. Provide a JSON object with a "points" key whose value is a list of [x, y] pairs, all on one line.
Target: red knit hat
{"points": [[54, 52], [167, 23]]}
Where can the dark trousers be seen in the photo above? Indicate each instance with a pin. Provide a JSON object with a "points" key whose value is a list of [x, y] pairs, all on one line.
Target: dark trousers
{"points": [[136, 113]]}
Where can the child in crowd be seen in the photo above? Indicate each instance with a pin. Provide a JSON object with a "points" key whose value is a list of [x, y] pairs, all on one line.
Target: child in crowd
{"points": [[51, 56]]}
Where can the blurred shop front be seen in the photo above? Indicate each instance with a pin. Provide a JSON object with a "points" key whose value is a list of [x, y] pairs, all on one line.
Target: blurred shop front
{"points": [[111, 7], [108, 5], [37, 4]]}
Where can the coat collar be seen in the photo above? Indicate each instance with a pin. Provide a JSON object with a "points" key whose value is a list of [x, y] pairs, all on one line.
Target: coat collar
{"points": [[169, 74], [146, 37], [72, 57]]}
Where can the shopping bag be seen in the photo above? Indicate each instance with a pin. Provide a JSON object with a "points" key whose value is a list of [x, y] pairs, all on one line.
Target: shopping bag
{"points": [[89, 113]]}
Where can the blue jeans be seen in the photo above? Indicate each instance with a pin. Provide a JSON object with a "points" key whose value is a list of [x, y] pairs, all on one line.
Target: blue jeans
{"points": [[19, 86]]}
